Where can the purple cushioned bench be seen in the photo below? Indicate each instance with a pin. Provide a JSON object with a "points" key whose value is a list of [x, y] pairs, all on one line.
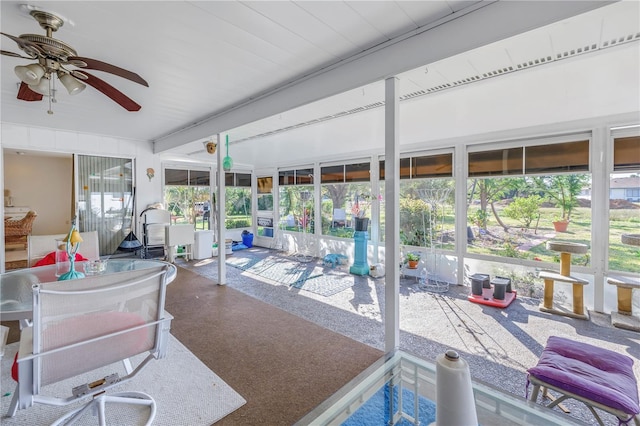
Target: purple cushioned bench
{"points": [[597, 377]]}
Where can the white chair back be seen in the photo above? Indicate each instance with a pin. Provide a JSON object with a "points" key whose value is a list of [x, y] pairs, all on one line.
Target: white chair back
{"points": [[41, 245], [86, 324]]}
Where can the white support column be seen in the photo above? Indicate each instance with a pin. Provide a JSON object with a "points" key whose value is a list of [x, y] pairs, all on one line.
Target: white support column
{"points": [[460, 166], [317, 208], [601, 166], [222, 214], [392, 215], [375, 207]]}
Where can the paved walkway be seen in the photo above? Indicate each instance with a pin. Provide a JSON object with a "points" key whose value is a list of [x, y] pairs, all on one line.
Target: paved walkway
{"points": [[498, 344]]}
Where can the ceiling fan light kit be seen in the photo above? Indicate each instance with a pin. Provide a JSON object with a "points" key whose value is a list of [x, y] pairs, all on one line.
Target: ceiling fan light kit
{"points": [[30, 74], [72, 85], [54, 56], [41, 86]]}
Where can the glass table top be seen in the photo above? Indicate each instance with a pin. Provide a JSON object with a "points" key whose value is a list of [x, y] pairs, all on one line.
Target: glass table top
{"points": [[16, 296], [493, 407]]}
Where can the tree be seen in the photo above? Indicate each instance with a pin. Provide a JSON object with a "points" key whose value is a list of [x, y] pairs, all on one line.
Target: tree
{"points": [[562, 190], [490, 191], [337, 193], [524, 210]]}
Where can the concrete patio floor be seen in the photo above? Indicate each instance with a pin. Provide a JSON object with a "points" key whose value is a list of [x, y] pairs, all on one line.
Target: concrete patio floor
{"points": [[499, 344]]}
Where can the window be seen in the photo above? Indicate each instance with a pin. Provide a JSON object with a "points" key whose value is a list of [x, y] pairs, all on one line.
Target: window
{"points": [[187, 196], [346, 194], [624, 204], [426, 201], [237, 200], [520, 197], [296, 212], [265, 206]]}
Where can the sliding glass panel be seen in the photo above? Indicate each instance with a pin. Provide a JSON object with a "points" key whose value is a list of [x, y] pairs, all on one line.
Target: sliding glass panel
{"points": [[624, 206], [496, 162], [561, 157], [199, 177], [105, 200], [286, 177], [331, 174], [176, 177], [626, 153], [405, 168], [357, 172], [432, 166], [243, 179], [304, 177]]}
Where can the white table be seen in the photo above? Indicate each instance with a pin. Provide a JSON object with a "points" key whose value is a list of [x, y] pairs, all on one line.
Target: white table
{"points": [[16, 296]]}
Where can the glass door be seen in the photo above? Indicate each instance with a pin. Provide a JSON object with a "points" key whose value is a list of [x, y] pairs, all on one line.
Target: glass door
{"points": [[105, 198]]}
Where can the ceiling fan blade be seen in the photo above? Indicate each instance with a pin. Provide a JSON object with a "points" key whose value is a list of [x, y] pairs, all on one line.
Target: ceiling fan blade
{"points": [[117, 96], [15, 55], [30, 48], [26, 94], [94, 64]]}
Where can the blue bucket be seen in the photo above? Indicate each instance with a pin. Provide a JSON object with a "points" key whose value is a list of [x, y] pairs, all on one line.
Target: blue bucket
{"points": [[247, 239]]}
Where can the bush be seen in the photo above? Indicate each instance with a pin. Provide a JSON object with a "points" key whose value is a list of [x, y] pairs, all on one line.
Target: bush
{"points": [[524, 210], [237, 223]]}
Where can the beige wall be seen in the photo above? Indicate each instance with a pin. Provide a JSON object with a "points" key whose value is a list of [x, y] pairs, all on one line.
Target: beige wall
{"points": [[42, 184]]}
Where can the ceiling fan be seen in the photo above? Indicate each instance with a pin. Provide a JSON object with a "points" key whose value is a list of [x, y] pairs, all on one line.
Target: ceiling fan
{"points": [[54, 59]]}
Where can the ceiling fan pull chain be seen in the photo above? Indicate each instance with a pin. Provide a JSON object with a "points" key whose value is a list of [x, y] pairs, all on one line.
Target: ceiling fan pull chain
{"points": [[51, 95]]}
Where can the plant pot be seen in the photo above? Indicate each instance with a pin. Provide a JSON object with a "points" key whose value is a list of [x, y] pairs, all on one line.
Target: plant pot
{"points": [[413, 264], [362, 223], [561, 225]]}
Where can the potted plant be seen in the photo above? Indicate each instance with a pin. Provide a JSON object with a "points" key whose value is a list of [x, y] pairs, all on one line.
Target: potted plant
{"points": [[563, 191], [412, 260], [359, 209], [560, 224]]}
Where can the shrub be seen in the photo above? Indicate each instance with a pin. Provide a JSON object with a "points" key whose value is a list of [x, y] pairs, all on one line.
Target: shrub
{"points": [[524, 210]]}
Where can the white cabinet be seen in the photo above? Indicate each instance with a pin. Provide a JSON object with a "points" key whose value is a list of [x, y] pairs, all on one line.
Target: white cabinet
{"points": [[15, 213]]}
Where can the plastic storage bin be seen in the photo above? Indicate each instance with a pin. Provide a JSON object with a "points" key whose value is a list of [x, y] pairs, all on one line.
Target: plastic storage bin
{"points": [[203, 243]]}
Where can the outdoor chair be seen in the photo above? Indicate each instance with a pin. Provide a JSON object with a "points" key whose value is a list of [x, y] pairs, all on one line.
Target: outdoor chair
{"points": [[41, 248], [81, 326], [339, 218], [595, 376], [16, 231]]}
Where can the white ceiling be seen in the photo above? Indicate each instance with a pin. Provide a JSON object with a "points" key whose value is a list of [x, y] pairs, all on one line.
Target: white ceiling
{"points": [[208, 60]]}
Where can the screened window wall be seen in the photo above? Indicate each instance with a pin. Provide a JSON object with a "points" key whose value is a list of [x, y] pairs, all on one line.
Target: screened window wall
{"points": [[427, 201], [297, 205], [187, 196], [624, 205], [238, 200], [346, 195], [519, 197], [265, 206]]}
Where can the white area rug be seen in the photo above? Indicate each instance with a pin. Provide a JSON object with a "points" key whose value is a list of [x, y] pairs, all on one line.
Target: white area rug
{"points": [[185, 390]]}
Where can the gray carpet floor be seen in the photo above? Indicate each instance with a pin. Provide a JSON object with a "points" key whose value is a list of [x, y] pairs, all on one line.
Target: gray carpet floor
{"points": [[499, 344]]}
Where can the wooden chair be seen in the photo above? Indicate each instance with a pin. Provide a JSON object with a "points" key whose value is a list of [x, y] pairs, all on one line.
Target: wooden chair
{"points": [[16, 231]]}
